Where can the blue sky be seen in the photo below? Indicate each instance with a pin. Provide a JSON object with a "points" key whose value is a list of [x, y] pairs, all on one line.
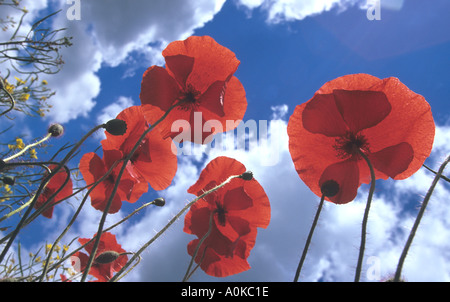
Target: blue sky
{"points": [[288, 50]]}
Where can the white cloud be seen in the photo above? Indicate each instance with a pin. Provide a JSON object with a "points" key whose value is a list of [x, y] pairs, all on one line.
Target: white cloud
{"points": [[107, 34], [290, 10]]}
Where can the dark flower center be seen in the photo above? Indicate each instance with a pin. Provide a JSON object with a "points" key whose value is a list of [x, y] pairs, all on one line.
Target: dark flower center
{"points": [[350, 145], [221, 211], [189, 98]]}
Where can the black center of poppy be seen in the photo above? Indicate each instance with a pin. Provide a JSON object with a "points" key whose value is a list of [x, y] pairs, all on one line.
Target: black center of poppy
{"points": [[350, 144], [189, 98], [221, 211], [110, 178]]}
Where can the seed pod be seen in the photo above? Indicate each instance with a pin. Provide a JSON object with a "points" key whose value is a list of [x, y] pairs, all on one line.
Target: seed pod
{"points": [[159, 202], [116, 127], [330, 188], [107, 257], [247, 175], [56, 130], [2, 164], [9, 180]]}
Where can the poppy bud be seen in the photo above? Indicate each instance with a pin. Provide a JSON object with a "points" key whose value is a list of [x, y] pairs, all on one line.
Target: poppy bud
{"points": [[159, 202], [56, 130], [116, 127], [2, 85], [2, 164], [330, 188], [247, 175], [107, 257], [8, 180]]}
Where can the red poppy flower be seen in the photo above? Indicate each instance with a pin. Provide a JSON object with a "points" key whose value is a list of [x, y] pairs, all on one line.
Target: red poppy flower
{"points": [[198, 72], [53, 185], [238, 209], [155, 160], [384, 119], [102, 268], [92, 167]]}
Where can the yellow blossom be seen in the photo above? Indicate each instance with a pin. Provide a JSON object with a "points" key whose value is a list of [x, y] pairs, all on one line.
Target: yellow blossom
{"points": [[19, 81], [33, 154], [9, 87], [19, 143], [44, 82], [24, 97], [47, 248]]}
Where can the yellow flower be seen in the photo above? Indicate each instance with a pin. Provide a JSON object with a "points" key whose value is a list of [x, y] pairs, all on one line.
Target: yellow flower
{"points": [[19, 143], [9, 87], [24, 97], [19, 81], [44, 82], [47, 248], [7, 189], [33, 154]]}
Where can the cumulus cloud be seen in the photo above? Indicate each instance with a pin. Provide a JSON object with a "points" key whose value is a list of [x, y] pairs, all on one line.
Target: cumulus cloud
{"points": [[290, 10], [107, 34]]}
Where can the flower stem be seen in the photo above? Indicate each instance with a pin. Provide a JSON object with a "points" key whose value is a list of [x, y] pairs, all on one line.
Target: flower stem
{"points": [[40, 189], [11, 98], [175, 218], [366, 216], [72, 221], [28, 147], [308, 240], [200, 242], [114, 189], [418, 218]]}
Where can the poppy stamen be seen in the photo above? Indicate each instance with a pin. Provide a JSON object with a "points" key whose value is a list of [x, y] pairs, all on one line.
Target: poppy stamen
{"points": [[349, 145], [189, 98], [221, 211]]}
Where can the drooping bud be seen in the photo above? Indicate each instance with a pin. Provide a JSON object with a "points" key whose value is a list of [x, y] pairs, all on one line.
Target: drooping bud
{"points": [[106, 257], [9, 180], [248, 175], [56, 130], [330, 188], [2, 164], [159, 202], [2, 85], [116, 127]]}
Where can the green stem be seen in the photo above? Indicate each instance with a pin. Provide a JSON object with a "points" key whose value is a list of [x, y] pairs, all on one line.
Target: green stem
{"points": [[11, 98], [418, 218], [40, 189], [366, 217], [72, 221], [308, 240], [28, 147], [187, 275], [114, 190]]}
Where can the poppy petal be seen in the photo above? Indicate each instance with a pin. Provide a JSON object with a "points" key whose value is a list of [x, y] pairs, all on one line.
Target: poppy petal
{"points": [[346, 174], [361, 109], [212, 61], [393, 160], [218, 170], [321, 115], [158, 89], [410, 121], [212, 98], [180, 66]]}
